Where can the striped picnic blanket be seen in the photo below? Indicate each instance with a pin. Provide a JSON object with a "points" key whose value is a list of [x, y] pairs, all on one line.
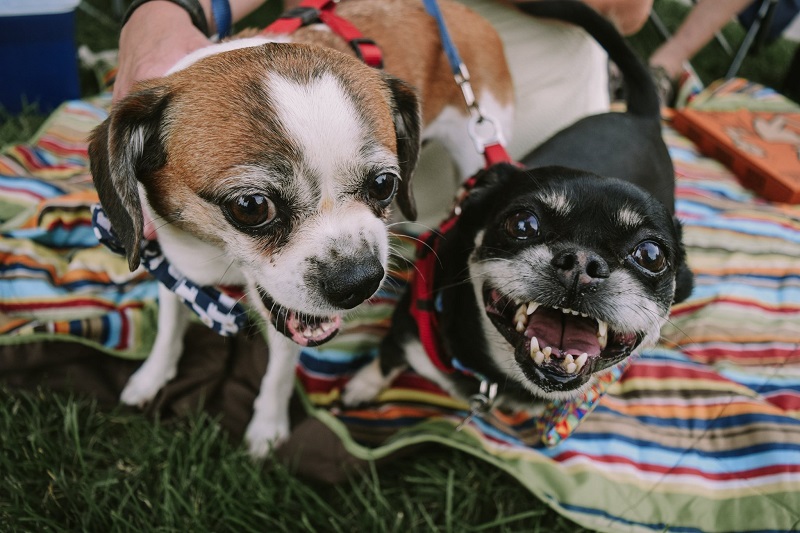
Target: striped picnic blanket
{"points": [[699, 434]]}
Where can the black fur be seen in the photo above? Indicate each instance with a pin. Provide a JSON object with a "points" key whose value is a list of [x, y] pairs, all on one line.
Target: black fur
{"points": [[628, 146], [624, 145]]}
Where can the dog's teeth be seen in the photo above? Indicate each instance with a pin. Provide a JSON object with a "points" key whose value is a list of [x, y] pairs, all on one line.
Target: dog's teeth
{"points": [[584, 315], [571, 367], [602, 341], [581, 360], [536, 353], [532, 307], [521, 318], [547, 351], [576, 313], [602, 333], [566, 311], [569, 359]]}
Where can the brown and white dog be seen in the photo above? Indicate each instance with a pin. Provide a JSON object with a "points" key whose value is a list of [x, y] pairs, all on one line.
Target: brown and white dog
{"points": [[272, 163]]}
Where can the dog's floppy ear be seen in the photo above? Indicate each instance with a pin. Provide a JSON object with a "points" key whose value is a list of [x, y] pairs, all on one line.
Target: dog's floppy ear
{"points": [[408, 130], [684, 279], [486, 181], [125, 147]]}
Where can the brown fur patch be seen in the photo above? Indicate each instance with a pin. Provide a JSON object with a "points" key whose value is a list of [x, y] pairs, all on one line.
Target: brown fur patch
{"points": [[412, 50], [207, 133]]}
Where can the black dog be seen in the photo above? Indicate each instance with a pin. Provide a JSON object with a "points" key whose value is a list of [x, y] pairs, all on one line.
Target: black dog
{"points": [[549, 276]]}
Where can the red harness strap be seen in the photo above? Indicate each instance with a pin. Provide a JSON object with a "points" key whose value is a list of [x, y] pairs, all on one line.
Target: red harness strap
{"points": [[423, 295], [323, 11], [496, 153]]}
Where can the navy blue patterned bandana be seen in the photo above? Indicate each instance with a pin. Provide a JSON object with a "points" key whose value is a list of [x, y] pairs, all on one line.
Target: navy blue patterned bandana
{"points": [[216, 309]]}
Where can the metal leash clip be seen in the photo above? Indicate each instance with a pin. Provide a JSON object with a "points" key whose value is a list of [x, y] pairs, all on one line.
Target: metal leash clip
{"points": [[480, 403], [482, 139]]}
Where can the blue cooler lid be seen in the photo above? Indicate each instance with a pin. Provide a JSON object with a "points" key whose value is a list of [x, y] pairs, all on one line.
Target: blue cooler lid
{"points": [[38, 56]]}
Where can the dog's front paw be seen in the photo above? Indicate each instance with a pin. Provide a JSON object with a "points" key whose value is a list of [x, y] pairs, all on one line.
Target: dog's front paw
{"points": [[263, 436], [365, 385], [142, 387]]}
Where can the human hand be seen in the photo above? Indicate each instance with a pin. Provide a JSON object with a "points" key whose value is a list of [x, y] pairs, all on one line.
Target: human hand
{"points": [[629, 16], [154, 38]]}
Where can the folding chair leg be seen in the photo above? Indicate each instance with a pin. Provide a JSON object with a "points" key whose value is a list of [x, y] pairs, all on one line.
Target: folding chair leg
{"points": [[659, 24], [756, 34], [666, 34]]}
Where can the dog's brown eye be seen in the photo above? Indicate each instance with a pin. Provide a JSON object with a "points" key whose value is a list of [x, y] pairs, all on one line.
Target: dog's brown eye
{"points": [[522, 225], [382, 188], [649, 256], [252, 210]]}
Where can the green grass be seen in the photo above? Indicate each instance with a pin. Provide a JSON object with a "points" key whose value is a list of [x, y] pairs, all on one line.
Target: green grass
{"points": [[66, 464], [19, 127], [69, 465]]}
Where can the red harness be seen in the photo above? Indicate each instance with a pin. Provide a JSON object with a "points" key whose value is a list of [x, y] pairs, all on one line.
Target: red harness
{"points": [[323, 11], [423, 295]]}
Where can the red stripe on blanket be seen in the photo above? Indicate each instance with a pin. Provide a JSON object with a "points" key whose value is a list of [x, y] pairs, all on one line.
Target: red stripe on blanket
{"points": [[752, 473]]}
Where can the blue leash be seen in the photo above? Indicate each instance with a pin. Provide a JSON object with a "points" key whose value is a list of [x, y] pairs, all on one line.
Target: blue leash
{"points": [[456, 65], [461, 75]]}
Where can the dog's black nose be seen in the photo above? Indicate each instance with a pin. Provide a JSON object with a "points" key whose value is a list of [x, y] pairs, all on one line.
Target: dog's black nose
{"points": [[347, 282], [580, 268]]}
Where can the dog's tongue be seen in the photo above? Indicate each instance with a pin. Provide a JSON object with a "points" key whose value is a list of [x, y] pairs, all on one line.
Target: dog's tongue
{"points": [[306, 331], [569, 333]]}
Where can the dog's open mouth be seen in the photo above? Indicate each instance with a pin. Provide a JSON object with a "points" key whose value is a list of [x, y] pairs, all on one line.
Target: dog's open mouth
{"points": [[302, 328], [562, 346]]}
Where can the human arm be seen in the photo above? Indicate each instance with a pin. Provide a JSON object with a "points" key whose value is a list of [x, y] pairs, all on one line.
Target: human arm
{"points": [[698, 28], [158, 33]]}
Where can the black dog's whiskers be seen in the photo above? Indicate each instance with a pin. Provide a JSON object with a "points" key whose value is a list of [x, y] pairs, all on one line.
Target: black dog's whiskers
{"points": [[686, 336], [455, 284]]}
